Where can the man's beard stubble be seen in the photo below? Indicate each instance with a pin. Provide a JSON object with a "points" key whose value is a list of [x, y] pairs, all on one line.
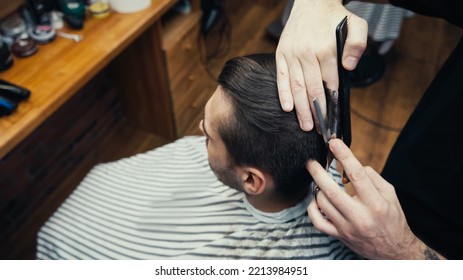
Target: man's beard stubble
{"points": [[227, 177]]}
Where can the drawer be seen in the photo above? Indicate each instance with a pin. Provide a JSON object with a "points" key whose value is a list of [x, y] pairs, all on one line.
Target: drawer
{"points": [[185, 72], [183, 55], [190, 96]]}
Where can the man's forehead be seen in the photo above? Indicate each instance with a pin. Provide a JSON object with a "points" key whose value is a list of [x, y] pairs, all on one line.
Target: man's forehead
{"points": [[218, 96], [217, 109]]}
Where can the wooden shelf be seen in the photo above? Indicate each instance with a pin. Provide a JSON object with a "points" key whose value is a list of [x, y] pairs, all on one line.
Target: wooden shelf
{"points": [[61, 68]]}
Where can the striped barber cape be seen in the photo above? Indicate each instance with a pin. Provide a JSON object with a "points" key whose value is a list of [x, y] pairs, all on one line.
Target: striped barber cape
{"points": [[168, 204]]}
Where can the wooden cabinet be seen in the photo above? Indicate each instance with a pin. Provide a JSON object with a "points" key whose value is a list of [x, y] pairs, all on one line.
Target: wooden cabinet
{"points": [[175, 71], [148, 60], [152, 54], [182, 45]]}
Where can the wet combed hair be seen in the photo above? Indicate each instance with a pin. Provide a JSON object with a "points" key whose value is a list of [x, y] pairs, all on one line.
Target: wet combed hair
{"points": [[259, 133]]}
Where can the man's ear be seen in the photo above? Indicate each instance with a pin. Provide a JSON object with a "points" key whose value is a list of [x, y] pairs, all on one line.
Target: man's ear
{"points": [[254, 180]]}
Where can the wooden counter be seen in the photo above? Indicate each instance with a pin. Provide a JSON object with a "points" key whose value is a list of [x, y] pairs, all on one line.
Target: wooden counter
{"points": [[59, 69]]}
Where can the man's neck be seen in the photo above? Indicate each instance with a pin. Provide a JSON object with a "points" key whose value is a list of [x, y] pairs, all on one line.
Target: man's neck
{"points": [[273, 202], [276, 212]]}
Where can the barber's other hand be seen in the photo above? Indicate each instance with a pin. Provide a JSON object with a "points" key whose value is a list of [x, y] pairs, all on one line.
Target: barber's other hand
{"points": [[306, 54], [372, 222]]}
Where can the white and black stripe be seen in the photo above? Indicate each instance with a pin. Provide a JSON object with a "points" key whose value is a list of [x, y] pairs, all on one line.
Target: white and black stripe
{"points": [[167, 204], [384, 21]]}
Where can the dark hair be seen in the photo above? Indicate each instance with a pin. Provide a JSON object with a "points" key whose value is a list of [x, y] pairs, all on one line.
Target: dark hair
{"points": [[259, 133]]}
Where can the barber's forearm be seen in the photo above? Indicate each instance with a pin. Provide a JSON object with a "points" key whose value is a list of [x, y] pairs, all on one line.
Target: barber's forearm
{"points": [[420, 251]]}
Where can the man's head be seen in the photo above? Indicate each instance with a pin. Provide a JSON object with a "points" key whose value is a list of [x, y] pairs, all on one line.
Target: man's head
{"points": [[253, 145]]}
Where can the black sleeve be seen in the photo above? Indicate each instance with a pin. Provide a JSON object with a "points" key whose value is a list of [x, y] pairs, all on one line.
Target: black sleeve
{"points": [[451, 10]]}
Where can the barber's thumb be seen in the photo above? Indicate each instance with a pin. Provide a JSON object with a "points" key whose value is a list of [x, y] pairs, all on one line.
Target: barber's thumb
{"points": [[356, 42]]}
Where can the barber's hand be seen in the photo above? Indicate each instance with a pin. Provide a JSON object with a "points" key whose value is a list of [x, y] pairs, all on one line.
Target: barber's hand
{"points": [[306, 54], [371, 222]]}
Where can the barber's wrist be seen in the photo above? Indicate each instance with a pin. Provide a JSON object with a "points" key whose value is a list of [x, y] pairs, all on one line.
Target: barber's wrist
{"points": [[420, 251]]}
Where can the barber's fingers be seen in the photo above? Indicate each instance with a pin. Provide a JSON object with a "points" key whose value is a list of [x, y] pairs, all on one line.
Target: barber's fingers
{"points": [[364, 188], [319, 221], [284, 87], [314, 84], [328, 209], [356, 41], [299, 87], [342, 201], [386, 190], [317, 70], [329, 71]]}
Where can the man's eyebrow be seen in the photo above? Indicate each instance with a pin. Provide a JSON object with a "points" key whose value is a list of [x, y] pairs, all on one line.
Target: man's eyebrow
{"points": [[204, 125]]}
